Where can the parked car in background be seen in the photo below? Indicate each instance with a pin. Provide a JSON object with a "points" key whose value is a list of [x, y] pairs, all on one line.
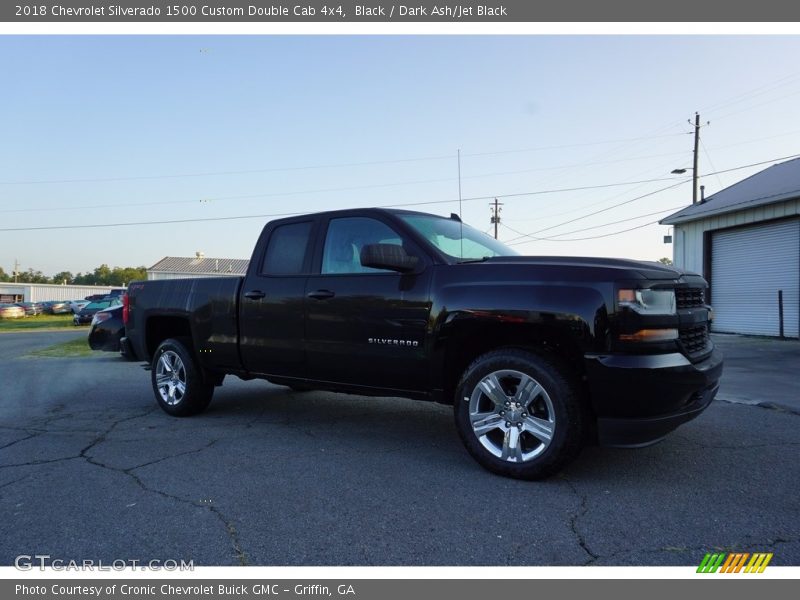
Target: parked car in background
{"points": [[107, 330], [31, 308], [57, 307], [11, 311], [96, 297], [85, 315]]}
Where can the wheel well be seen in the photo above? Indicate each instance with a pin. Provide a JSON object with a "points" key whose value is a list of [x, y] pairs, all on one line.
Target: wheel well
{"points": [[475, 339], [159, 329]]}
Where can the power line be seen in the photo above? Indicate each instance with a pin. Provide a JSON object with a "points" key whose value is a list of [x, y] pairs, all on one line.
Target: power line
{"points": [[708, 156], [261, 216], [321, 166], [760, 104], [216, 173], [319, 191], [758, 164], [602, 210], [513, 241], [556, 236], [594, 237], [758, 91], [657, 191], [536, 149]]}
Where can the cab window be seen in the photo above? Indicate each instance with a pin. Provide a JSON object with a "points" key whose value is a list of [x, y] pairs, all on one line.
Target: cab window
{"points": [[346, 237]]}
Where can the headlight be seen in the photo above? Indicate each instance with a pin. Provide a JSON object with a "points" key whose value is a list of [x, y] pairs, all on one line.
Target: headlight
{"points": [[648, 302]]}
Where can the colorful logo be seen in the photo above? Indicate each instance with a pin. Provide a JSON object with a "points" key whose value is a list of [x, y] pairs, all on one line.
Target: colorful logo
{"points": [[734, 562]]}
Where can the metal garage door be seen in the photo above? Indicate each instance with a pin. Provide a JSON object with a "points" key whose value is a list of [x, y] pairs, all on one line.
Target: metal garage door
{"points": [[748, 267]]}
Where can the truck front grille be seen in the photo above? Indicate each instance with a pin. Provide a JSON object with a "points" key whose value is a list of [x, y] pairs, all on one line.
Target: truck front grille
{"points": [[695, 340], [690, 297]]}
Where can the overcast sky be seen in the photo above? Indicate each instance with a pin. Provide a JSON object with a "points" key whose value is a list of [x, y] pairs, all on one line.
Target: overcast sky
{"points": [[106, 130]]}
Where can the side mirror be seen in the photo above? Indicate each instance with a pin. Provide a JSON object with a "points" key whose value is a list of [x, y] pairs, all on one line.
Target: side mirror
{"points": [[388, 256]]}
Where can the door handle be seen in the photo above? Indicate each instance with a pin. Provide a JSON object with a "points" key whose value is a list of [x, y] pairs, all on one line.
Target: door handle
{"points": [[254, 294], [321, 294]]}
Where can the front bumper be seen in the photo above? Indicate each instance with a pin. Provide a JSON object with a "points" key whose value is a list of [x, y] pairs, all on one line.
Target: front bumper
{"points": [[638, 399]]}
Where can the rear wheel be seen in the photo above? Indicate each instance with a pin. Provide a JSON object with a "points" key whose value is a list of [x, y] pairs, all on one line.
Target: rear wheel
{"points": [[178, 381], [519, 414]]}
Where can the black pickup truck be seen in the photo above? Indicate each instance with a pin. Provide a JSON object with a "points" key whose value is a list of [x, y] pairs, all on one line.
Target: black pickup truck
{"points": [[538, 355]]}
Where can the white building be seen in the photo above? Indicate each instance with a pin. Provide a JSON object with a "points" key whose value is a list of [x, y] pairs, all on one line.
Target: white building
{"points": [[745, 240], [176, 267], [40, 292]]}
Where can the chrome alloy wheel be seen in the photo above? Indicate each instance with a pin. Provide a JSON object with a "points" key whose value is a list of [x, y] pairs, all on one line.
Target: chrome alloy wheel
{"points": [[512, 415], [171, 378]]}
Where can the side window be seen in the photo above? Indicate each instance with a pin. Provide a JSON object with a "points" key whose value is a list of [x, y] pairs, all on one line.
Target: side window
{"points": [[346, 237], [286, 250]]}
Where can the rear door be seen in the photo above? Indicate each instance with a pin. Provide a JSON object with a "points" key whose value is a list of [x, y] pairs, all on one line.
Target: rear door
{"points": [[271, 313], [366, 326]]}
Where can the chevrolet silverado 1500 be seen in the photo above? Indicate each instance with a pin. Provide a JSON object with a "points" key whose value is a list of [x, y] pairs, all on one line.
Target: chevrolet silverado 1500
{"points": [[539, 356]]}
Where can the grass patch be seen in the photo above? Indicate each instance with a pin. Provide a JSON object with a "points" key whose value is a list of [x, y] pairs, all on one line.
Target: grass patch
{"points": [[37, 322], [72, 348]]}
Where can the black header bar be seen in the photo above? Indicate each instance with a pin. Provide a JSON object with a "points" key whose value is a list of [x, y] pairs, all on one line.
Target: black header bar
{"points": [[381, 11]]}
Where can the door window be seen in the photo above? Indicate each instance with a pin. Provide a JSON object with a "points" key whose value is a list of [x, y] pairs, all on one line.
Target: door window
{"points": [[345, 239]]}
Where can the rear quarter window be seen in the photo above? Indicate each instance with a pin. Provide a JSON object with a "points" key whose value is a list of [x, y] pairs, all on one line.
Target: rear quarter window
{"points": [[286, 249]]}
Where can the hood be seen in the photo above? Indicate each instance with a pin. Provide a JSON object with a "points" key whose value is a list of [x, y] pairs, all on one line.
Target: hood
{"points": [[621, 267]]}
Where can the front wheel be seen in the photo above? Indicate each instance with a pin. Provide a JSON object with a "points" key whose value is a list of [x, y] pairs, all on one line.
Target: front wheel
{"points": [[178, 381], [519, 414]]}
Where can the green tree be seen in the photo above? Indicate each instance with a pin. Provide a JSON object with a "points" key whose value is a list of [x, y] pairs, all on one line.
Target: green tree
{"points": [[123, 275], [665, 261], [4, 276], [31, 276], [63, 276], [83, 279], [102, 275]]}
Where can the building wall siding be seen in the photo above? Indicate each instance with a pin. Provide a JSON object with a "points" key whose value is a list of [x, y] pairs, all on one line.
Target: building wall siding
{"points": [[39, 292], [688, 239]]}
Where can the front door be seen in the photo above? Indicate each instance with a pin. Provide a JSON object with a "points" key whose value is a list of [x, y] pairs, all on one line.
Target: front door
{"points": [[367, 326]]}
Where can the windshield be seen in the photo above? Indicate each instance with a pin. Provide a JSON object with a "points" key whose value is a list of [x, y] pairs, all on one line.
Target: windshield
{"points": [[446, 234], [98, 305]]}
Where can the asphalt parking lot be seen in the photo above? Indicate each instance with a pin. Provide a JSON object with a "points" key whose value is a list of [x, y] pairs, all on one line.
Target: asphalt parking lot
{"points": [[90, 468]]}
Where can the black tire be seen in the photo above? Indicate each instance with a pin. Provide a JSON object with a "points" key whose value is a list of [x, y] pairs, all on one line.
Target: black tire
{"points": [[507, 431], [177, 380]]}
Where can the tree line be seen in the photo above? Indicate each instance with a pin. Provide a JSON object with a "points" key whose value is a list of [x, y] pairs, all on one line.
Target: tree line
{"points": [[102, 275]]}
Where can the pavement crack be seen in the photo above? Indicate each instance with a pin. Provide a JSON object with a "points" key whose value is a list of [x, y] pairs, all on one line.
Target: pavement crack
{"points": [[163, 458], [22, 439], [765, 405], [241, 556], [101, 438], [230, 529], [574, 518], [34, 463], [13, 481], [700, 550]]}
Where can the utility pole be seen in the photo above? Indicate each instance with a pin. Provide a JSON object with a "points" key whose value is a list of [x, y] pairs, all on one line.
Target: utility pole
{"points": [[16, 269], [495, 206], [695, 173], [696, 143]]}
